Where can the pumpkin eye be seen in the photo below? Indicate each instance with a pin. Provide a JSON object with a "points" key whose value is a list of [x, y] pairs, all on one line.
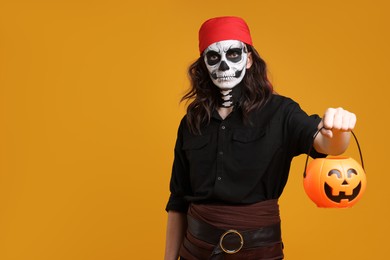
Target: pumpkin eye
{"points": [[334, 171], [350, 172]]}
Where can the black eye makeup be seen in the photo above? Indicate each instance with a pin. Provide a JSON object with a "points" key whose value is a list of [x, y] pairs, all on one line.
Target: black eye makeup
{"points": [[234, 54], [212, 57]]}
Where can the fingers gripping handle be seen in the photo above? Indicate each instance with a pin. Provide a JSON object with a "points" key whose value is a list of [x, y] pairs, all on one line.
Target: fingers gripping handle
{"points": [[311, 147]]}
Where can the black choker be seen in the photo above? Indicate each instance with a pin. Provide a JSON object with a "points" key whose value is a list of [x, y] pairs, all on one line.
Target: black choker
{"points": [[230, 97]]}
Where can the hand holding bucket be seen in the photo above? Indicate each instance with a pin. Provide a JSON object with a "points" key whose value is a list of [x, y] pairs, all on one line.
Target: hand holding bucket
{"points": [[334, 181]]}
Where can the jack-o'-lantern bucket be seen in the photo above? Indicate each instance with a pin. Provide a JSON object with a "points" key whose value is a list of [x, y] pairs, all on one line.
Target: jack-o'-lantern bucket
{"points": [[335, 181]]}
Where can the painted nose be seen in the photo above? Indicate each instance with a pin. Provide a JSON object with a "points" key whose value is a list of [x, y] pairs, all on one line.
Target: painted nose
{"points": [[223, 66]]}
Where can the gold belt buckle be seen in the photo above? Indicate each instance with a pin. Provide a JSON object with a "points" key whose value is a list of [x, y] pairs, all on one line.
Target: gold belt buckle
{"points": [[231, 231]]}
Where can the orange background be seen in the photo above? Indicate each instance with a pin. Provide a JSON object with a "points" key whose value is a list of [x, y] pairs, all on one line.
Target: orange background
{"points": [[89, 94]]}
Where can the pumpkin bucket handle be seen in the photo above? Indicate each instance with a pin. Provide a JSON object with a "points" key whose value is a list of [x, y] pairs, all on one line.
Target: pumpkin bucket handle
{"points": [[311, 147]]}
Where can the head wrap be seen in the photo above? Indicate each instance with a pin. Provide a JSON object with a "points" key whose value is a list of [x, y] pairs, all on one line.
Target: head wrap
{"points": [[223, 28]]}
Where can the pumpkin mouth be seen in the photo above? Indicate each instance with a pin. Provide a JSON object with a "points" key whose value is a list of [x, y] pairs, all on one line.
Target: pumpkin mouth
{"points": [[342, 195]]}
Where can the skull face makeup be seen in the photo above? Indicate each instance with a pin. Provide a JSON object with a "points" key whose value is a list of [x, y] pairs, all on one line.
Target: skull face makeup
{"points": [[226, 62]]}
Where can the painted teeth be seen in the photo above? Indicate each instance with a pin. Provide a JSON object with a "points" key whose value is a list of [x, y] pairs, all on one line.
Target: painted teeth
{"points": [[225, 78]]}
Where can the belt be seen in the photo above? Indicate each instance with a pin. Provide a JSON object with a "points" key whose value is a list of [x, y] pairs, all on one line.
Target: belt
{"points": [[232, 241]]}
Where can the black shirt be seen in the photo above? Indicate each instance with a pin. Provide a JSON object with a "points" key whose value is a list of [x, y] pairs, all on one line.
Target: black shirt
{"points": [[236, 163]]}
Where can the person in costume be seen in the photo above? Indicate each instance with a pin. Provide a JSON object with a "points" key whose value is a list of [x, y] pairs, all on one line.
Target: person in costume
{"points": [[234, 148]]}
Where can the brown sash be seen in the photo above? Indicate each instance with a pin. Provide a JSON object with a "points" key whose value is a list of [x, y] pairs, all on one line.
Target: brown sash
{"points": [[259, 218]]}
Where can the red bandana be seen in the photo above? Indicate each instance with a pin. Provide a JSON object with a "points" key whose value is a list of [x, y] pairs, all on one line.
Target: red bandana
{"points": [[223, 28]]}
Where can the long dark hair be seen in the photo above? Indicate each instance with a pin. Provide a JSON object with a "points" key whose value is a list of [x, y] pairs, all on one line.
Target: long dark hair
{"points": [[256, 91]]}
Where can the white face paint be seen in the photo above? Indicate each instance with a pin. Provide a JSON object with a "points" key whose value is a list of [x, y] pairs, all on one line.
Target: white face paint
{"points": [[226, 63]]}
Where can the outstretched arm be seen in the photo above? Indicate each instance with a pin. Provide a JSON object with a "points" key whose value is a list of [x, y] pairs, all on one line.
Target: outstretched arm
{"points": [[334, 138]]}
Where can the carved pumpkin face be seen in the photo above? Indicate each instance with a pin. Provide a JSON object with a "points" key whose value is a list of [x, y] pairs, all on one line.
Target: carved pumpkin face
{"points": [[335, 182]]}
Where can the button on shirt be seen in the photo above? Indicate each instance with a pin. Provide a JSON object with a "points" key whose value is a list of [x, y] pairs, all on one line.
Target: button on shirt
{"points": [[234, 162]]}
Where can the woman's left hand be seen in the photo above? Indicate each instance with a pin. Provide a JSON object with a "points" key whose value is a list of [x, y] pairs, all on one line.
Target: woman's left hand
{"points": [[336, 120]]}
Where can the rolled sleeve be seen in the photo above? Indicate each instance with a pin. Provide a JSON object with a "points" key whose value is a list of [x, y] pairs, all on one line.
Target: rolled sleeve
{"points": [[179, 184], [301, 130]]}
